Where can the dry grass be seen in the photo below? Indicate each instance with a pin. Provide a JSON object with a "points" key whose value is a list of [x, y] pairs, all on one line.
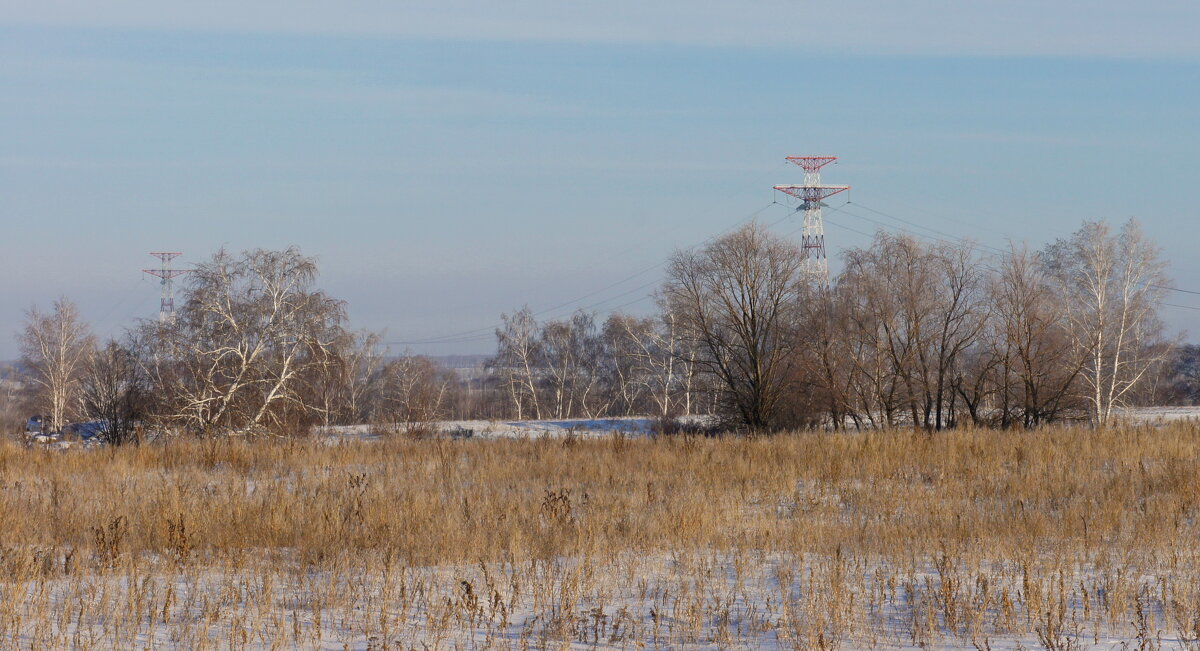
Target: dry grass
{"points": [[1065, 538]]}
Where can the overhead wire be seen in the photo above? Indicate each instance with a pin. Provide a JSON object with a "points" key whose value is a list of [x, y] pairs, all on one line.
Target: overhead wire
{"points": [[133, 290], [1176, 289], [457, 337], [489, 335], [952, 239], [991, 248], [941, 236], [848, 208], [477, 334], [1001, 251]]}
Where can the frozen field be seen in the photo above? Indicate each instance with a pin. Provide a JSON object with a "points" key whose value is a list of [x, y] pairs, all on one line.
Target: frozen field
{"points": [[660, 601], [1066, 539], [1161, 414], [501, 429], [641, 426]]}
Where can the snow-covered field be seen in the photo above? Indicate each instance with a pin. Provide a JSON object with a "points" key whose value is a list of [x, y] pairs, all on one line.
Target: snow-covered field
{"points": [[641, 426], [485, 429], [594, 427], [932, 551], [656, 601], [1156, 415]]}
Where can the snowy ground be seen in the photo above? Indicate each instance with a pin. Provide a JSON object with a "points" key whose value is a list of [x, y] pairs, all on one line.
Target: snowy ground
{"points": [[1155, 415], [657, 601], [685, 599], [642, 426], [591, 427], [485, 429]]}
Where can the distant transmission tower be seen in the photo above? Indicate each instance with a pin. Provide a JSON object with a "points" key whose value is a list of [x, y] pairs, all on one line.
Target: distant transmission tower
{"points": [[166, 308], [812, 195]]}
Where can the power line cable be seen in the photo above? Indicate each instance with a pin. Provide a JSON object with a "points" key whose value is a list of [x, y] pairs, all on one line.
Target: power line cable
{"points": [[992, 248], [941, 237], [543, 312], [994, 270], [105, 320], [458, 337], [1176, 289], [673, 227]]}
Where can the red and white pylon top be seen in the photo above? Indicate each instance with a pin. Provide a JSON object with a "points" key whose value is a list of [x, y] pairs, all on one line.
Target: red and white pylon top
{"points": [[811, 163], [812, 190], [811, 194]]}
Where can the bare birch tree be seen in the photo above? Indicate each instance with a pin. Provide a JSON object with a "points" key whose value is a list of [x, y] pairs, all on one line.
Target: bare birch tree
{"points": [[1111, 285], [657, 368], [250, 329], [623, 375], [54, 349], [572, 351], [519, 361]]}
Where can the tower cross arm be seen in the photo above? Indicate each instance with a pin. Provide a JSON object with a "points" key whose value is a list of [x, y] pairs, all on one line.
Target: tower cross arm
{"points": [[811, 163], [811, 192], [166, 273]]}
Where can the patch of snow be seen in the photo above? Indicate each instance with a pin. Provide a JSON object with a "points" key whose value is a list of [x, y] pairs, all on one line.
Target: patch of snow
{"points": [[680, 600], [507, 429], [1159, 415]]}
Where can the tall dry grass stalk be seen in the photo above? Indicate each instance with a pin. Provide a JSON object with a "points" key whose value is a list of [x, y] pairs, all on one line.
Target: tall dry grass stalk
{"points": [[1062, 538]]}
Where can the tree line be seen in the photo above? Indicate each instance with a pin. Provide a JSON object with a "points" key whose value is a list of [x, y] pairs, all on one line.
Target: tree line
{"points": [[908, 333]]}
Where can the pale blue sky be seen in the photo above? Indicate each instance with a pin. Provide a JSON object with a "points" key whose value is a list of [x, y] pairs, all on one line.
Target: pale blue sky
{"points": [[448, 162]]}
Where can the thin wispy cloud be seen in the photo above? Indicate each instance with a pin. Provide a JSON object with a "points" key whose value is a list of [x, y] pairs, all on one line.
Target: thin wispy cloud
{"points": [[444, 155], [1151, 28]]}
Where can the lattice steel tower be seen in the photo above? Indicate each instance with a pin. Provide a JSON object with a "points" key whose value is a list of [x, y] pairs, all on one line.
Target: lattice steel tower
{"points": [[812, 195], [166, 308]]}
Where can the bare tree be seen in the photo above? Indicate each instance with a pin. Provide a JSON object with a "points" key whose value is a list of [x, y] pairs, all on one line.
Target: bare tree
{"points": [[623, 375], [250, 329], [1036, 363], [1181, 376], [865, 317], [1110, 285], [963, 316], [571, 352], [650, 371], [919, 307], [12, 399], [828, 362], [519, 361], [415, 391], [54, 350], [114, 392], [346, 391], [738, 301]]}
